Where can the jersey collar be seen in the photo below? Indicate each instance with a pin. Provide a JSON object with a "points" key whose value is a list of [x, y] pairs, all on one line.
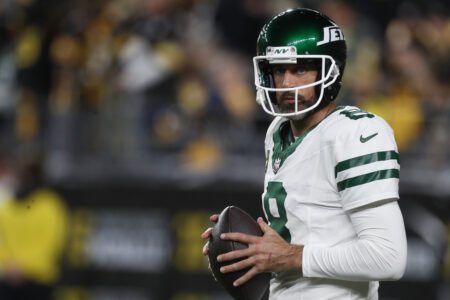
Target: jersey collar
{"points": [[284, 143]]}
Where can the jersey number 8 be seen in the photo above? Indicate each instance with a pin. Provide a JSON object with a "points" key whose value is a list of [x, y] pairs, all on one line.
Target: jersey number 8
{"points": [[275, 210]]}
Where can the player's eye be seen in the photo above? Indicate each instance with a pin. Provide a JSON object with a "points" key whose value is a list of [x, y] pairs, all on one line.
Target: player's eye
{"points": [[278, 70], [300, 70]]}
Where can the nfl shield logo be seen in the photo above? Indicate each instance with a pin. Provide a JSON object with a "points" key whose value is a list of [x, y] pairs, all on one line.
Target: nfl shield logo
{"points": [[276, 165]]}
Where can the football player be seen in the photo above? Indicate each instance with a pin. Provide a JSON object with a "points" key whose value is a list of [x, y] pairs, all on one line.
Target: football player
{"points": [[331, 184]]}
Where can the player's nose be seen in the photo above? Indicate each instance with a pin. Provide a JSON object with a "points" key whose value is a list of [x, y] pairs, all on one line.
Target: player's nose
{"points": [[289, 79]]}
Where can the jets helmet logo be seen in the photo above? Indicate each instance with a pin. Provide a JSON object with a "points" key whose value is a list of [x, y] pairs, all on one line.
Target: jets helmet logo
{"points": [[331, 34]]}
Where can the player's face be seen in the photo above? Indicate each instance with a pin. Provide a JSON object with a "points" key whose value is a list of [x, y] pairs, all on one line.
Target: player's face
{"points": [[293, 75]]}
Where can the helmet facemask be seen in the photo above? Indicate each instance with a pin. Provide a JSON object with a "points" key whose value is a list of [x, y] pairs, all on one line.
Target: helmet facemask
{"points": [[328, 73]]}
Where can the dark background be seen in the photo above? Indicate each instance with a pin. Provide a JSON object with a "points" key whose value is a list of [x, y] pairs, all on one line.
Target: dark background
{"points": [[142, 114]]}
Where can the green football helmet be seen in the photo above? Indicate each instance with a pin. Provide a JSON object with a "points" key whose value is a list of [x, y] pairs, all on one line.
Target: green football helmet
{"points": [[291, 37]]}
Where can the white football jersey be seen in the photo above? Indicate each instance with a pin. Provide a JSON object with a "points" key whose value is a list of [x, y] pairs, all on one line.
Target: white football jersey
{"points": [[348, 160]]}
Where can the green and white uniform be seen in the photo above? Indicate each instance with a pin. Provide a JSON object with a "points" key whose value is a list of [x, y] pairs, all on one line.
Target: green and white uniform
{"points": [[312, 185]]}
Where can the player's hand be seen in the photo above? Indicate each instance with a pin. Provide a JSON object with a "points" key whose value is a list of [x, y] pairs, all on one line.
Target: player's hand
{"points": [[205, 235], [268, 253]]}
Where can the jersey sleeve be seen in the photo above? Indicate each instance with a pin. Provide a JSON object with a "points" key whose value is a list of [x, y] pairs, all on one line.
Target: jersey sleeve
{"points": [[379, 253], [367, 164]]}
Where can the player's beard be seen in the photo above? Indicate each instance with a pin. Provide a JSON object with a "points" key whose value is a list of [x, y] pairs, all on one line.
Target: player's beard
{"points": [[286, 104]]}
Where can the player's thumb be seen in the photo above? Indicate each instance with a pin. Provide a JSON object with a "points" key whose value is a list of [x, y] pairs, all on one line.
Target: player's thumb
{"points": [[263, 225]]}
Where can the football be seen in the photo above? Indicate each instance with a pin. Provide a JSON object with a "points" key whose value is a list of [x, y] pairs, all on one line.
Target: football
{"points": [[234, 219]]}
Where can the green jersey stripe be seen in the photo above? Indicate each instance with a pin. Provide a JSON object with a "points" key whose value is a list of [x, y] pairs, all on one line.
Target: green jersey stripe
{"points": [[365, 159], [366, 178]]}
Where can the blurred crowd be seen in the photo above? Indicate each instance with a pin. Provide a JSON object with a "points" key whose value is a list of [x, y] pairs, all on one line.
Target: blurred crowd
{"points": [[130, 84]]}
